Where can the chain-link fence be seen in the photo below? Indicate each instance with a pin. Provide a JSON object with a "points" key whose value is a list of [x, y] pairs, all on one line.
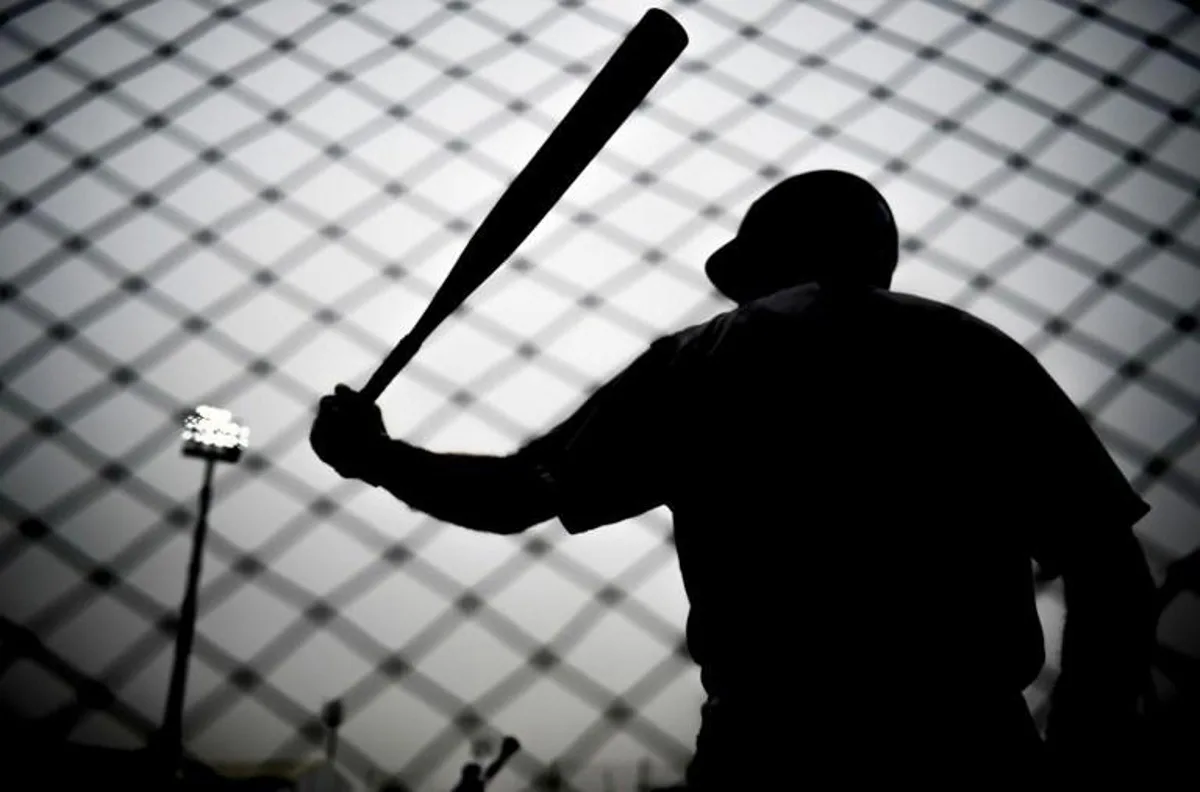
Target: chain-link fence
{"points": [[244, 203]]}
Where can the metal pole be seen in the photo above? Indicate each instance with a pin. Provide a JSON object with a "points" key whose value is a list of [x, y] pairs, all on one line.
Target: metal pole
{"points": [[171, 736]]}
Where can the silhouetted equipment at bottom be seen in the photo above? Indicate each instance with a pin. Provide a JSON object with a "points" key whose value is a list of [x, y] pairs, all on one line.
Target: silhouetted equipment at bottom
{"points": [[325, 776], [475, 778], [1170, 732]]}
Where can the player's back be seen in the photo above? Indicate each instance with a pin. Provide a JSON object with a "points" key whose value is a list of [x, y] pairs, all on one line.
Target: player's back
{"points": [[839, 515]]}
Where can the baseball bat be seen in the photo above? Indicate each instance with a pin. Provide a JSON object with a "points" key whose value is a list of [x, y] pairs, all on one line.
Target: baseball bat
{"points": [[643, 57]]}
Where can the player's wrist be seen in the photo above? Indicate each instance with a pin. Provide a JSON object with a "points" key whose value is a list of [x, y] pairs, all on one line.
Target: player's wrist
{"points": [[376, 461]]}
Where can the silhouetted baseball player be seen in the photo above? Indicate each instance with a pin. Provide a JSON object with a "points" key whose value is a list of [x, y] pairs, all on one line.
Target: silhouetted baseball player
{"points": [[860, 481]]}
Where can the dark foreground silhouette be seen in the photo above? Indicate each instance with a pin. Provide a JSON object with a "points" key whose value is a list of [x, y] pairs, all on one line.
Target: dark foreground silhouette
{"points": [[861, 481]]}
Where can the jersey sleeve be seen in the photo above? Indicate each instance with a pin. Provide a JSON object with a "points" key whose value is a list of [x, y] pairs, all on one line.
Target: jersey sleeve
{"points": [[1067, 485], [613, 458]]}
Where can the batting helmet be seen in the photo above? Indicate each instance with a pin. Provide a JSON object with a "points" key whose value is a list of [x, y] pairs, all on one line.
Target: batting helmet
{"points": [[824, 226]]}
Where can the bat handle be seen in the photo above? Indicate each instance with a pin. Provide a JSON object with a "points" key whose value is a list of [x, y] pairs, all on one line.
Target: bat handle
{"points": [[396, 360]]}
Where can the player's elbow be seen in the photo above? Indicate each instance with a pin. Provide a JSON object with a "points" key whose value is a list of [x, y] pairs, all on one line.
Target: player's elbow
{"points": [[521, 500]]}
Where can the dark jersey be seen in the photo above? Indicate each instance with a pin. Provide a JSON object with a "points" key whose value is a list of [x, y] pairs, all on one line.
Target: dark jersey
{"points": [[859, 482]]}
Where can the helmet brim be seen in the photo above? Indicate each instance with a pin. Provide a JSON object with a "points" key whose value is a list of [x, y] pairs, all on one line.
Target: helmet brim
{"points": [[723, 269]]}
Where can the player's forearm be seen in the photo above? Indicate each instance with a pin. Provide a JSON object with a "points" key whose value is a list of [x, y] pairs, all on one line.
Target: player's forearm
{"points": [[1109, 633], [493, 494]]}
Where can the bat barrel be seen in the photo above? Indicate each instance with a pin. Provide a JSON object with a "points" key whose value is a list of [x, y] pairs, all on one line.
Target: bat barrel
{"points": [[612, 96]]}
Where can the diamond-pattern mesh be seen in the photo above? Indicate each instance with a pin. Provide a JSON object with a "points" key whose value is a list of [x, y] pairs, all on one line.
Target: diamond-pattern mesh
{"points": [[244, 203]]}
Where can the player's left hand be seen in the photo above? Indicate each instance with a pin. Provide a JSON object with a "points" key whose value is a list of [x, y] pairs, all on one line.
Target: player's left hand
{"points": [[349, 435], [1091, 735]]}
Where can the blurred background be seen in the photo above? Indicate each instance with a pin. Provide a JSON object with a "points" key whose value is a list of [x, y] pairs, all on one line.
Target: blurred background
{"points": [[241, 204]]}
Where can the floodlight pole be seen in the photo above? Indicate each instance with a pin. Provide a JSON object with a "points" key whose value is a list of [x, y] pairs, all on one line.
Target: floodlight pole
{"points": [[172, 729], [213, 436]]}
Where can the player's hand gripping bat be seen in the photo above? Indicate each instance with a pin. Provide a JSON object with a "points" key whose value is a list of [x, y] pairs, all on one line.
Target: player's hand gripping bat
{"points": [[643, 57]]}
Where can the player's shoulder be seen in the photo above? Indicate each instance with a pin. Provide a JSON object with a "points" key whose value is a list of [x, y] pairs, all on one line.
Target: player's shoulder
{"points": [[712, 333], [959, 327], [907, 318], [704, 339], [929, 309]]}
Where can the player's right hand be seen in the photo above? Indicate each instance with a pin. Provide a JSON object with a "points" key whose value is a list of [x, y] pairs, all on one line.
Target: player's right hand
{"points": [[349, 435]]}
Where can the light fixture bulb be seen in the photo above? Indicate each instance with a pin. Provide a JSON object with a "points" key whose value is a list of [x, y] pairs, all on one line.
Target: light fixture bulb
{"points": [[213, 433]]}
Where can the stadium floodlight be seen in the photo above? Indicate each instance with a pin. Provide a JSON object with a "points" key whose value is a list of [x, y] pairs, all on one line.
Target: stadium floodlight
{"points": [[211, 434]]}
